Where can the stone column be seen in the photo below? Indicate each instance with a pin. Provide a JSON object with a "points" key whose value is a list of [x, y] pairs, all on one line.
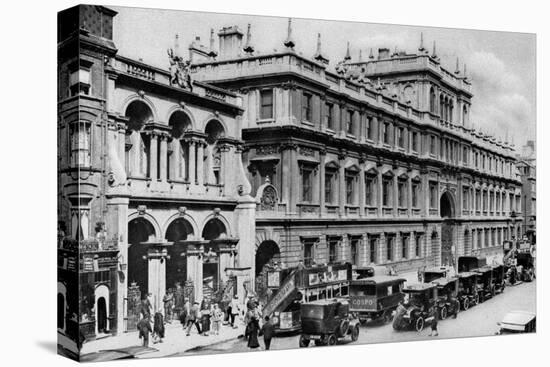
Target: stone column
{"points": [[175, 167], [381, 248], [156, 257], [362, 187], [163, 157], [322, 157], [395, 195], [246, 231], [224, 164], [285, 176], [192, 162], [295, 187], [363, 253], [226, 260], [425, 206], [200, 163], [379, 192], [409, 195], [210, 178], [153, 151], [342, 184], [195, 253]]}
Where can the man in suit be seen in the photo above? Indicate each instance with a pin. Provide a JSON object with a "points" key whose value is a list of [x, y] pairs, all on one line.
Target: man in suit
{"points": [[268, 330]]}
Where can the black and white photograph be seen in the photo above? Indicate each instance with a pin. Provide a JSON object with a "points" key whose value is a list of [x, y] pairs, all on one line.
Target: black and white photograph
{"points": [[237, 183]]}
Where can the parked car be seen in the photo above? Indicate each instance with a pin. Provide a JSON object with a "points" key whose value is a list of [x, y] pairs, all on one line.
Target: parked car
{"points": [[485, 286], [518, 322], [326, 321], [417, 308], [499, 278], [447, 297], [376, 297], [431, 274], [468, 294]]}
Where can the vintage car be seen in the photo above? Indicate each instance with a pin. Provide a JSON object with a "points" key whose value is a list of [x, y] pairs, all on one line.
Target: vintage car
{"points": [[485, 286], [325, 321], [499, 278], [468, 294], [376, 297], [417, 308], [518, 322], [470, 263], [447, 296]]}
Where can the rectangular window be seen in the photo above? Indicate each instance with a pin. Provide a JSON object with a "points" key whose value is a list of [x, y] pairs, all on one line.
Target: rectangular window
{"points": [[405, 247], [354, 244], [266, 104], [465, 198], [306, 107], [308, 253], [332, 247], [370, 182], [478, 200], [389, 248], [350, 189], [415, 146], [387, 192], [415, 193], [401, 137], [349, 122], [433, 195], [386, 133], [418, 246], [329, 123], [368, 128], [372, 249], [465, 156], [402, 193], [80, 144], [307, 180], [329, 187]]}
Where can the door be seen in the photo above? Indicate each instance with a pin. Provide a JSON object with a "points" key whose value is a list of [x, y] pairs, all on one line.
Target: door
{"points": [[101, 315]]}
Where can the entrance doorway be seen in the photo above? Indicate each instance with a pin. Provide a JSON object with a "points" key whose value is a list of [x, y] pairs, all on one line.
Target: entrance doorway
{"points": [[176, 266], [213, 230], [268, 252], [60, 311], [447, 212], [101, 315], [139, 231]]}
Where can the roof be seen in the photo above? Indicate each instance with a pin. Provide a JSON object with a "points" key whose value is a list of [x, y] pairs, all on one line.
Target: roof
{"points": [[466, 274], [444, 281], [328, 301], [516, 320], [483, 269], [436, 270], [418, 286], [378, 279]]}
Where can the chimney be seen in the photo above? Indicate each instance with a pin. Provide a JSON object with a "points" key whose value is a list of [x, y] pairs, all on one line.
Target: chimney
{"points": [[383, 53], [231, 39]]}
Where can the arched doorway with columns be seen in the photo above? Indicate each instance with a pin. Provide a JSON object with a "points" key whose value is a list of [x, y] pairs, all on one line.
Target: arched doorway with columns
{"points": [[178, 230], [213, 232], [101, 309], [140, 230], [447, 213]]}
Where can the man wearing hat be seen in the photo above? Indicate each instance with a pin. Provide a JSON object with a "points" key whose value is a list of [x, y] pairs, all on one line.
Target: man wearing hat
{"points": [[235, 308]]}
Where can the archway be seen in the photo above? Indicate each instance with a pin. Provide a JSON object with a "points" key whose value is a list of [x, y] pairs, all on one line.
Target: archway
{"points": [[176, 267], [214, 131], [137, 157], [268, 252], [139, 114], [435, 247], [213, 230], [101, 315], [447, 212], [139, 231]]}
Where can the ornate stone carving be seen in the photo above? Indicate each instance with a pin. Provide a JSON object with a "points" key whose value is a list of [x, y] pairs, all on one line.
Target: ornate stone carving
{"points": [[141, 209], [307, 152], [182, 210], [180, 71], [267, 149], [269, 198]]}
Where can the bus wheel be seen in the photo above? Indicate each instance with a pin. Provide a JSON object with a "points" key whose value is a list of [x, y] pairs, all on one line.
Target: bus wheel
{"points": [[419, 324], [304, 341], [476, 299], [466, 304], [332, 339]]}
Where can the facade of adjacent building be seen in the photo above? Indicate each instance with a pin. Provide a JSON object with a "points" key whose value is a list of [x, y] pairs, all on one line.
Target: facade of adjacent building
{"points": [[527, 167], [149, 167], [376, 163]]}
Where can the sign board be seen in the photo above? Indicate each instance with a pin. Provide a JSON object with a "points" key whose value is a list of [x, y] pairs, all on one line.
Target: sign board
{"points": [[88, 263], [273, 279]]}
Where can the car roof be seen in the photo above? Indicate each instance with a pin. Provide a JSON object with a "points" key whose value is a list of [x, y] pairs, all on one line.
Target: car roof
{"points": [[466, 274], [419, 286], [330, 301], [379, 279], [516, 320], [444, 281], [483, 269], [436, 269]]}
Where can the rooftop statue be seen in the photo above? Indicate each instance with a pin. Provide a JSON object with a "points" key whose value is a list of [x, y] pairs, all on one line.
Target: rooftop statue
{"points": [[180, 71]]}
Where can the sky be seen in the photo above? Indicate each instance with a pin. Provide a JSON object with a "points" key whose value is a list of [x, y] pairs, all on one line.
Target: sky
{"points": [[501, 65]]}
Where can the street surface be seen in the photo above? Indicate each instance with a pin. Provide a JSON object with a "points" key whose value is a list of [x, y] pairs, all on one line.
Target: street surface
{"points": [[480, 320]]}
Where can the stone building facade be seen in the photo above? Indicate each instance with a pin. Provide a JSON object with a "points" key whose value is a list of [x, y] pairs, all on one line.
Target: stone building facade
{"points": [[150, 163], [375, 163]]}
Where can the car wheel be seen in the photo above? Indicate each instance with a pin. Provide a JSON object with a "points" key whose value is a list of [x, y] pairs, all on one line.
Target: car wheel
{"points": [[304, 341], [332, 339], [443, 312], [476, 300], [466, 304], [386, 316], [419, 324], [355, 333]]}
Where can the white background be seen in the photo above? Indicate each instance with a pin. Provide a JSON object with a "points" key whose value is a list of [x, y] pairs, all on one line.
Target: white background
{"points": [[28, 179]]}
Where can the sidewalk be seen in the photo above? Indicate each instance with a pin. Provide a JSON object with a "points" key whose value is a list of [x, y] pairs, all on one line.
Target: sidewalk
{"points": [[175, 340]]}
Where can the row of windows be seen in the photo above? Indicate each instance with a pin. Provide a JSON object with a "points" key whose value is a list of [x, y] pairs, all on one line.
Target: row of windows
{"points": [[404, 250]]}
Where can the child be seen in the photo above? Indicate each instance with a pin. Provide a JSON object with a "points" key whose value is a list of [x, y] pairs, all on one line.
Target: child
{"points": [[144, 327], [216, 319], [434, 332]]}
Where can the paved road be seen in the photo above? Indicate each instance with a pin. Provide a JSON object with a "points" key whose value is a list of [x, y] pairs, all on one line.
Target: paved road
{"points": [[480, 320]]}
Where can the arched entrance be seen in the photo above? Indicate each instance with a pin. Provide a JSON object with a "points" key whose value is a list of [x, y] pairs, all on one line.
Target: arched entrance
{"points": [[101, 315], [267, 253], [176, 267], [61, 306], [139, 231], [447, 213], [214, 131], [213, 230]]}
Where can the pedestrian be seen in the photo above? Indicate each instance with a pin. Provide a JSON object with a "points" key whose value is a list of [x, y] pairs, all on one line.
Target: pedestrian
{"points": [[267, 330], [146, 307], [168, 301], [433, 325], [216, 318], [193, 318], [144, 327], [235, 309], [253, 329], [205, 317], [158, 327], [184, 313]]}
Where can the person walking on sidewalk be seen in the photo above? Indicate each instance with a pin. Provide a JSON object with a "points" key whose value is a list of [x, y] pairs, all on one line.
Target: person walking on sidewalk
{"points": [[194, 318], [184, 314], [235, 309], [217, 316], [267, 330], [168, 301], [253, 329], [433, 325], [205, 317], [158, 327], [144, 327]]}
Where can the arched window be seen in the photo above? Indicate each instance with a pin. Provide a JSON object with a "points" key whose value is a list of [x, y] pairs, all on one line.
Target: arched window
{"points": [[137, 144], [432, 100], [451, 107], [441, 105], [464, 115], [214, 131], [178, 151]]}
